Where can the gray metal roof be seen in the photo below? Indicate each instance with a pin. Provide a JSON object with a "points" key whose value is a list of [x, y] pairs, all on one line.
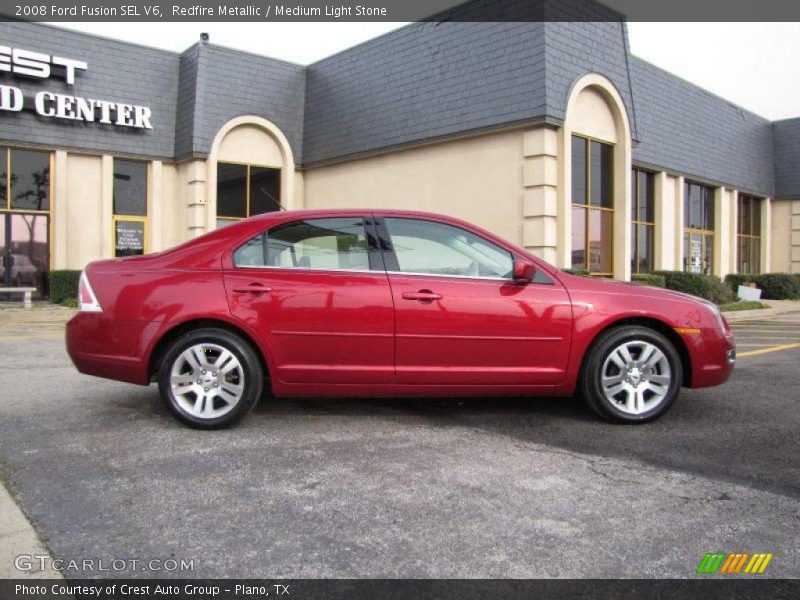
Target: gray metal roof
{"points": [[686, 129], [787, 158]]}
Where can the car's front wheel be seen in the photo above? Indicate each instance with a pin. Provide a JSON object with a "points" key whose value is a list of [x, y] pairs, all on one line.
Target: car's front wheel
{"points": [[632, 374], [210, 378]]}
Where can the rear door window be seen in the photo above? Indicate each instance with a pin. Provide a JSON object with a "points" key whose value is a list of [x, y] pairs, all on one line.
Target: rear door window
{"points": [[339, 243]]}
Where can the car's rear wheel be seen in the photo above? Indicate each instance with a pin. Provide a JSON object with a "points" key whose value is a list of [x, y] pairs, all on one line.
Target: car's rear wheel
{"points": [[632, 374], [210, 378]]}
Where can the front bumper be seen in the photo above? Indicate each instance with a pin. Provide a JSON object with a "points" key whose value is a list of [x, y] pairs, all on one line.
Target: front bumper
{"points": [[713, 356]]}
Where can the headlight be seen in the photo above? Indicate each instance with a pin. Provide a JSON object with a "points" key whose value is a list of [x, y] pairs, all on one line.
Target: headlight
{"points": [[716, 312]]}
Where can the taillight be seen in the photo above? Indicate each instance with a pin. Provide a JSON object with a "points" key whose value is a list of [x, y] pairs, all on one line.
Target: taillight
{"points": [[87, 301]]}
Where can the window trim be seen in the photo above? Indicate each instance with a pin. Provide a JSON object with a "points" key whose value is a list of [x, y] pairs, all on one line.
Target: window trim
{"points": [[635, 222], [752, 238], [588, 206], [50, 213], [132, 218], [393, 266], [373, 251], [248, 166], [707, 235]]}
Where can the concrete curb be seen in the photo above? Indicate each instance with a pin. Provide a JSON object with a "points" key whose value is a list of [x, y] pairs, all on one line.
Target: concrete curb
{"points": [[777, 307], [17, 537]]}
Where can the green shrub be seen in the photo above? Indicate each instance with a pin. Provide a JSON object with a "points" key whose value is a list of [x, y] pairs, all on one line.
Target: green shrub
{"points": [[742, 305], [583, 272], [688, 283], [778, 286], [719, 292], [63, 286], [650, 279], [734, 280]]}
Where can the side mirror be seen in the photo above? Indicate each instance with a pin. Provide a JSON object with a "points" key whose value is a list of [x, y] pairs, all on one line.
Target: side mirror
{"points": [[523, 271]]}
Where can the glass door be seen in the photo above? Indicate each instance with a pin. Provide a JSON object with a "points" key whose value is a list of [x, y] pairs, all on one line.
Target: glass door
{"points": [[25, 252]]}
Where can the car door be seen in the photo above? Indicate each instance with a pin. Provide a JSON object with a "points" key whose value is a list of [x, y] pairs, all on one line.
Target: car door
{"points": [[460, 319], [318, 293]]}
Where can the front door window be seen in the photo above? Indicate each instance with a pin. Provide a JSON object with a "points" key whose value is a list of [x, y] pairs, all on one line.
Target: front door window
{"points": [[429, 248]]}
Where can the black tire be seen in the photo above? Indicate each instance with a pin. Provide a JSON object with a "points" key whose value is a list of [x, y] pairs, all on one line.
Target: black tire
{"points": [[590, 386], [251, 370]]}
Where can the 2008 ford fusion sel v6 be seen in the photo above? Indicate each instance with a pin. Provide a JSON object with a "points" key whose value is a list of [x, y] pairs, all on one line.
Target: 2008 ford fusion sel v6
{"points": [[380, 303]]}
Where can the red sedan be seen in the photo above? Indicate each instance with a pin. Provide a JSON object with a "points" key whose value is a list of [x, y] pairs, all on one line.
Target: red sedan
{"points": [[384, 303]]}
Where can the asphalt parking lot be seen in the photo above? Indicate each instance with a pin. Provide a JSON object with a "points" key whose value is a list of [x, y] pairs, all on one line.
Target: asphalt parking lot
{"points": [[406, 488]]}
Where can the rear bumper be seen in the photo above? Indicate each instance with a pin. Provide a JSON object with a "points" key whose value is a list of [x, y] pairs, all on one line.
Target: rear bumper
{"points": [[713, 357], [104, 348]]}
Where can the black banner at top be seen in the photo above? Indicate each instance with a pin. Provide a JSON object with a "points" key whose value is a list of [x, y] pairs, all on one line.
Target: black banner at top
{"points": [[399, 10], [395, 589]]}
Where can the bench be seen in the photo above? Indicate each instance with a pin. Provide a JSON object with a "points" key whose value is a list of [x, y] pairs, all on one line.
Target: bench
{"points": [[26, 291]]}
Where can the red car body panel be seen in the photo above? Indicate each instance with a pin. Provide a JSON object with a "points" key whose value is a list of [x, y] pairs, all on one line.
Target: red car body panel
{"points": [[341, 333]]}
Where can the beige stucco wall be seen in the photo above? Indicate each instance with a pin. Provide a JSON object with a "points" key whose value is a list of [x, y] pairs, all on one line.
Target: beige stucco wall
{"points": [[84, 211], [249, 144], [477, 179], [173, 213], [592, 116]]}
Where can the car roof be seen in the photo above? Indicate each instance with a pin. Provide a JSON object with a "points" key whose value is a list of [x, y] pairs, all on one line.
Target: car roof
{"points": [[318, 212]]}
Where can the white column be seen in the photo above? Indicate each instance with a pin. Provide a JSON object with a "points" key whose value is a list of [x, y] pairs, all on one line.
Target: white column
{"points": [[198, 218], [539, 201], [766, 235], [722, 232], [664, 234], [795, 237], [59, 210], [107, 207], [679, 219], [155, 206], [734, 232]]}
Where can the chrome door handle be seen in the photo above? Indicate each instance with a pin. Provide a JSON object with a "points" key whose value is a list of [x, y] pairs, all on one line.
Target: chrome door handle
{"points": [[422, 296], [256, 289]]}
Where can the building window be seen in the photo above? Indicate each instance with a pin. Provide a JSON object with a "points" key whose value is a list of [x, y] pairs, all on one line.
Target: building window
{"points": [[748, 231], [592, 206], [25, 219], [698, 224], [246, 190], [642, 220], [130, 208]]}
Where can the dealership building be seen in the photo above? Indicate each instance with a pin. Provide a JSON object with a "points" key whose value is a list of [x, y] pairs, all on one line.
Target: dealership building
{"points": [[550, 134]]}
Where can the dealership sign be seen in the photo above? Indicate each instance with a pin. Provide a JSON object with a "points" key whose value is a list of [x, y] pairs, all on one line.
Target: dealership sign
{"points": [[37, 65]]}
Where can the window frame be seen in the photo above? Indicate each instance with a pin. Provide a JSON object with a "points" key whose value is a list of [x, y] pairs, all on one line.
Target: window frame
{"points": [[50, 213], [248, 166], [393, 265], [587, 206], [706, 235], [374, 256], [752, 237], [637, 220], [144, 219]]}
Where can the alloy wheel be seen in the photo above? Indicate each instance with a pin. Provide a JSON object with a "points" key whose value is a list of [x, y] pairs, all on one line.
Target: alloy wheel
{"points": [[636, 377], [207, 381]]}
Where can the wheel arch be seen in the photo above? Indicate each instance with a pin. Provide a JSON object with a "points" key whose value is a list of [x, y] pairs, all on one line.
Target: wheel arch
{"points": [[171, 335], [657, 325]]}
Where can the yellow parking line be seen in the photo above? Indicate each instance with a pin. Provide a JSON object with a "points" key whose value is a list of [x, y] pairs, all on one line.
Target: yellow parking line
{"points": [[768, 350], [8, 338], [33, 321]]}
